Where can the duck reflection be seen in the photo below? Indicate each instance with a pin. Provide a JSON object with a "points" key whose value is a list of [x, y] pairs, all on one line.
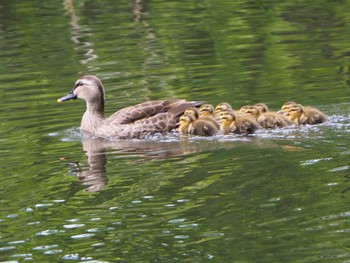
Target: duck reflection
{"points": [[93, 173]]}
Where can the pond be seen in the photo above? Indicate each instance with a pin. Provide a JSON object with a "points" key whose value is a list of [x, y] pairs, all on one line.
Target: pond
{"points": [[275, 196]]}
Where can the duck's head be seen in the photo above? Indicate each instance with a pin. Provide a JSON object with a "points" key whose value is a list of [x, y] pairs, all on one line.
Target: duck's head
{"points": [[206, 110], [88, 88], [251, 110], [192, 111], [223, 106]]}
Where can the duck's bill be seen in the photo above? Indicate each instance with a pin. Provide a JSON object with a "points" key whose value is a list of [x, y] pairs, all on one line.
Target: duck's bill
{"points": [[69, 96]]}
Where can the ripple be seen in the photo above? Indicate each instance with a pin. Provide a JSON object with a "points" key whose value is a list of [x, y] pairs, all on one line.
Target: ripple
{"points": [[7, 248], [71, 257], [82, 236], [52, 252], [313, 161], [72, 226], [48, 232], [45, 247]]}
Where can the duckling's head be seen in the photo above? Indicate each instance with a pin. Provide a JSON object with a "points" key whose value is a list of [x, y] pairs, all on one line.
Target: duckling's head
{"points": [[251, 110], [286, 106], [185, 121], [206, 110], [192, 111], [295, 112], [227, 117], [223, 106], [88, 88], [262, 107]]}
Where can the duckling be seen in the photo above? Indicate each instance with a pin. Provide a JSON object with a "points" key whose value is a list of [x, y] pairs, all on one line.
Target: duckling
{"points": [[132, 122], [200, 126], [227, 118], [267, 119], [311, 115], [241, 125], [206, 111]]}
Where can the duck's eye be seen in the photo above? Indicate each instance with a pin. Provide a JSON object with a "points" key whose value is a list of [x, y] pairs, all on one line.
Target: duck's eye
{"points": [[79, 83]]}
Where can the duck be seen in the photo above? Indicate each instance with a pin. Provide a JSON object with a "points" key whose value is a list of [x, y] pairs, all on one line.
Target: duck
{"points": [[202, 126], [267, 119], [135, 121], [310, 115], [240, 125]]}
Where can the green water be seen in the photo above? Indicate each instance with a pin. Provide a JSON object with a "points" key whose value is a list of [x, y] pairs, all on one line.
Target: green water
{"points": [[277, 196]]}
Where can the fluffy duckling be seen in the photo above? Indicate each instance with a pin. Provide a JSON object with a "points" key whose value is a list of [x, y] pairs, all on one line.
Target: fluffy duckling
{"points": [[201, 126], [267, 119], [207, 111], [310, 115], [227, 118], [241, 125], [132, 122]]}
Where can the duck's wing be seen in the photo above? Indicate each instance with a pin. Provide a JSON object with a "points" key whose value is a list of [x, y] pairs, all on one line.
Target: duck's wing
{"points": [[151, 108]]}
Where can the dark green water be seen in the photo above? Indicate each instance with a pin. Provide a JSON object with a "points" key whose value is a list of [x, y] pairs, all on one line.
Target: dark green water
{"points": [[277, 196]]}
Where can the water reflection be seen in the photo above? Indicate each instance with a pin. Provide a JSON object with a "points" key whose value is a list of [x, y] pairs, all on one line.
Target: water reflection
{"points": [[93, 174], [79, 33]]}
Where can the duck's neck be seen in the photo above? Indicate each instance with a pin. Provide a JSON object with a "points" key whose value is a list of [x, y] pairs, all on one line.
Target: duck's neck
{"points": [[93, 117]]}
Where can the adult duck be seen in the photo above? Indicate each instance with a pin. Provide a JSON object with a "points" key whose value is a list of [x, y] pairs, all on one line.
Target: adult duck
{"points": [[132, 122]]}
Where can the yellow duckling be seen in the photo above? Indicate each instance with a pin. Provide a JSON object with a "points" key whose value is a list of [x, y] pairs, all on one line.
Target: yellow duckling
{"points": [[267, 119], [201, 126], [227, 119], [207, 111], [310, 115], [241, 125]]}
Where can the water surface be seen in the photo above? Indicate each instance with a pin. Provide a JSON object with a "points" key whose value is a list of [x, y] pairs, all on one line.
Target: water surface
{"points": [[277, 196]]}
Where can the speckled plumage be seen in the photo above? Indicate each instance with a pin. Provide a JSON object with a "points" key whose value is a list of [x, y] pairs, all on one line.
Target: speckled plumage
{"points": [[131, 122]]}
